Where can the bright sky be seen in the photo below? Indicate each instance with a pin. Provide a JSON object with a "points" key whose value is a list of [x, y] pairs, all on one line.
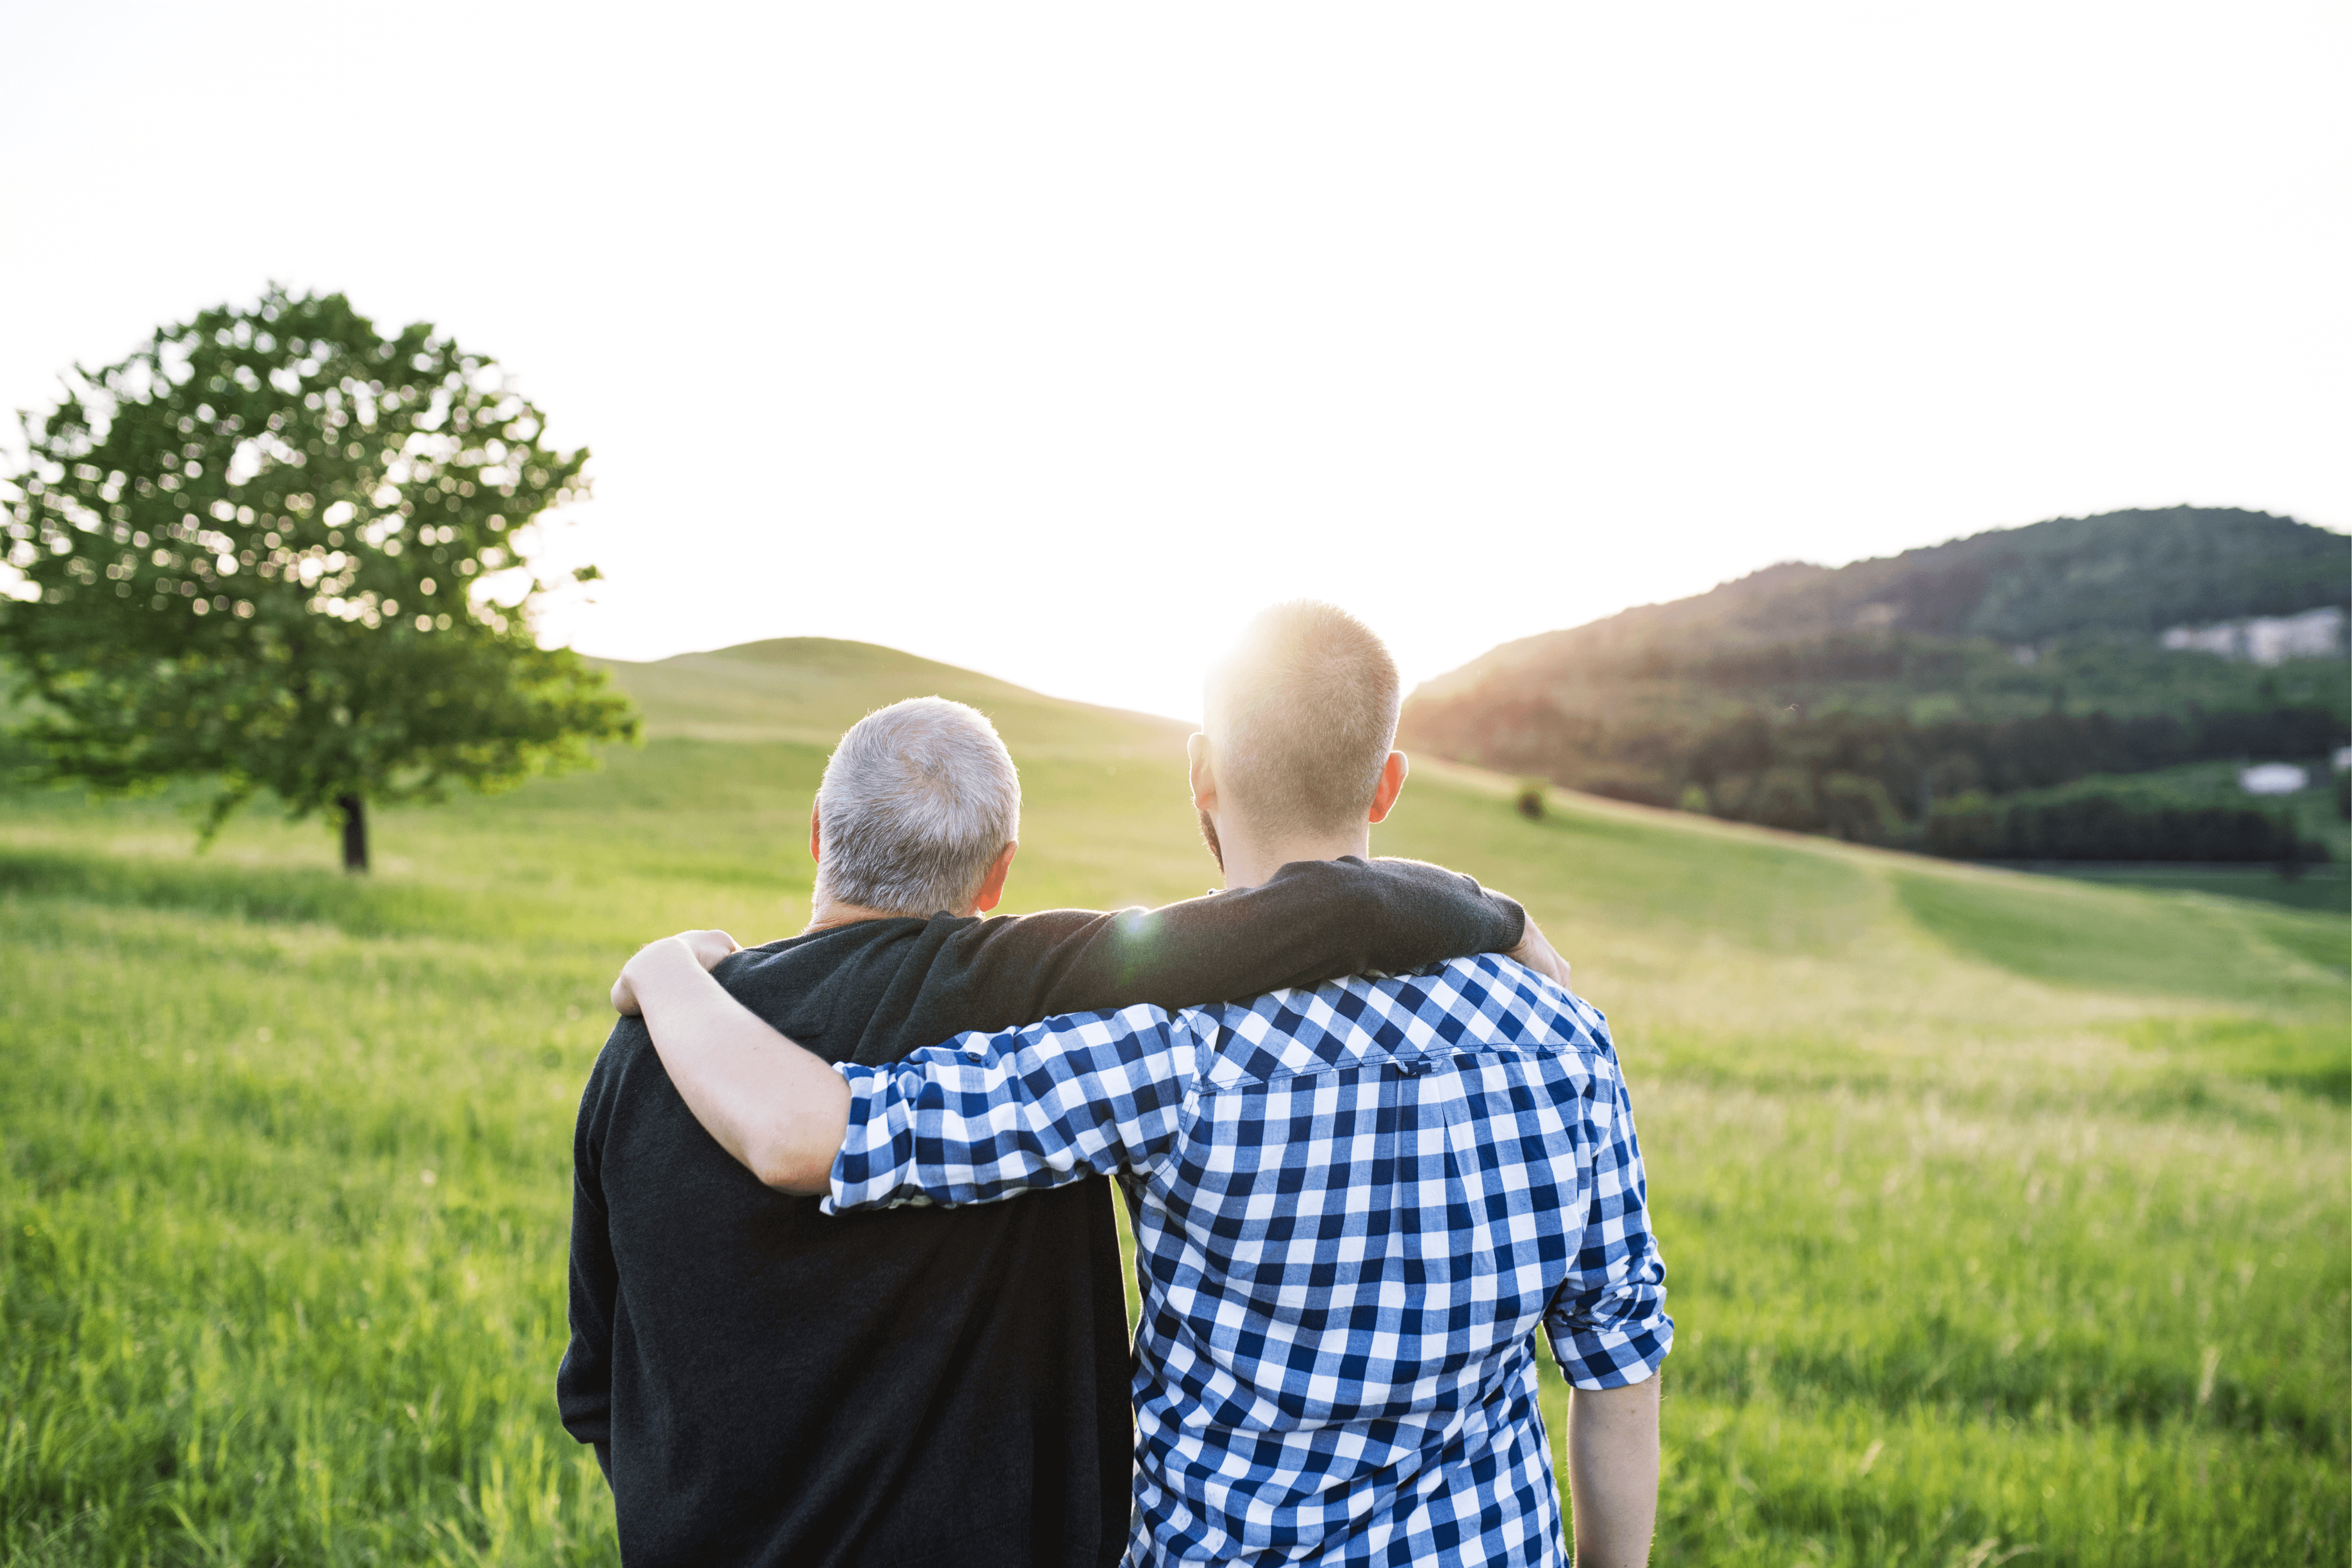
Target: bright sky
{"points": [[1053, 340]]}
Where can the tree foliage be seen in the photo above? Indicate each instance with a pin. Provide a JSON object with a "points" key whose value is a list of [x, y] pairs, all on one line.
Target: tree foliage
{"points": [[2112, 821], [1872, 778], [276, 550]]}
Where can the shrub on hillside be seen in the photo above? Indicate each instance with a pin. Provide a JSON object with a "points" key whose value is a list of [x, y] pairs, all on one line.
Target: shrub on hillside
{"points": [[1856, 808], [1635, 787], [1782, 797]]}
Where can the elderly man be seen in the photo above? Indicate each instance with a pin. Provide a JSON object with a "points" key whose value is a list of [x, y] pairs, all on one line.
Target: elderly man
{"points": [[1354, 1203], [765, 1385]]}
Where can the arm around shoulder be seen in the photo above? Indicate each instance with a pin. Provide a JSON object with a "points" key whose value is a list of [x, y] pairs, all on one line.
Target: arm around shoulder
{"points": [[778, 1109]]}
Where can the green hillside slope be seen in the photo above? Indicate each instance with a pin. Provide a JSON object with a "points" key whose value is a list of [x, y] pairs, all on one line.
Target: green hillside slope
{"points": [[2003, 1216], [1851, 701], [809, 689], [2130, 573]]}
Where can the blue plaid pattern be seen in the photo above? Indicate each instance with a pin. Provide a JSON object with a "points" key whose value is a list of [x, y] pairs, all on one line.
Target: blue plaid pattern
{"points": [[1353, 1206]]}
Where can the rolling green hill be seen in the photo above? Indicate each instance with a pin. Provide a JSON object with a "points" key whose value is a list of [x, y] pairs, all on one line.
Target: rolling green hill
{"points": [[809, 689], [2129, 573], [1851, 702], [2003, 1215]]}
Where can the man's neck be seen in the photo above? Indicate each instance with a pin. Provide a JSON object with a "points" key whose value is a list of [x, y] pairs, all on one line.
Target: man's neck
{"points": [[826, 911], [1250, 860]]}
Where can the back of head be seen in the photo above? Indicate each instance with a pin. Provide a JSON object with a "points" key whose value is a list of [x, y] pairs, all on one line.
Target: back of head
{"points": [[1304, 712], [918, 800]]}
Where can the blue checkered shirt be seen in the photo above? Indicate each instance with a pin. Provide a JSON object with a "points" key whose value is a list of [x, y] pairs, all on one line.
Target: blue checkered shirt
{"points": [[1353, 1206]]}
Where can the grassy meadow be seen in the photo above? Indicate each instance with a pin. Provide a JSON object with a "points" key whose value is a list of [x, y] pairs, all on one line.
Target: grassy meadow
{"points": [[2008, 1217]]}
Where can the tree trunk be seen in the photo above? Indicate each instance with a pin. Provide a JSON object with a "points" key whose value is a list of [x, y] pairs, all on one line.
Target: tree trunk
{"points": [[2290, 858], [354, 814]]}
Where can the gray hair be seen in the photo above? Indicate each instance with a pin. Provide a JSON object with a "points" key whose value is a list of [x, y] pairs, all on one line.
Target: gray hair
{"points": [[918, 800]]}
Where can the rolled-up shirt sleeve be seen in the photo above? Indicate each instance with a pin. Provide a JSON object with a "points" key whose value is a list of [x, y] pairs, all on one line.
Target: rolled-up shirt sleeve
{"points": [[985, 1116], [1608, 1322]]}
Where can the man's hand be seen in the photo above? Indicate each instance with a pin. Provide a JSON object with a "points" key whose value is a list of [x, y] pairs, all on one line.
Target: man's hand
{"points": [[708, 947], [1536, 955]]}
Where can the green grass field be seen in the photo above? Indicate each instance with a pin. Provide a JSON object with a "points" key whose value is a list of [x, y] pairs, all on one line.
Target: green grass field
{"points": [[2007, 1219], [2323, 888]]}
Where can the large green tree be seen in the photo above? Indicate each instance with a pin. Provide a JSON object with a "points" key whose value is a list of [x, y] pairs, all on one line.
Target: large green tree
{"points": [[276, 550]]}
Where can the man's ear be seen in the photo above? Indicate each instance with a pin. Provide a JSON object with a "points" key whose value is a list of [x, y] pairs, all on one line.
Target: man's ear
{"points": [[813, 854], [992, 887], [1392, 785], [1204, 776]]}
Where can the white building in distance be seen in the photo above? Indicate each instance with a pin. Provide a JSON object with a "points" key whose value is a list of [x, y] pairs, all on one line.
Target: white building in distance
{"points": [[2266, 639], [2272, 778]]}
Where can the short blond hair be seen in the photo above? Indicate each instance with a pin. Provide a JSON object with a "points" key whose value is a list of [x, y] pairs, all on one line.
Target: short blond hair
{"points": [[1308, 702]]}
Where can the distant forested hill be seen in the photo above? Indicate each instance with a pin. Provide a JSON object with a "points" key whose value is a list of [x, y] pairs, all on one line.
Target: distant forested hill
{"points": [[1863, 700]]}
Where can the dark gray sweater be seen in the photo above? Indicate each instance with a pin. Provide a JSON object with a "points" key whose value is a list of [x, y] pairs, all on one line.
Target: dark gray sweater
{"points": [[768, 1385]]}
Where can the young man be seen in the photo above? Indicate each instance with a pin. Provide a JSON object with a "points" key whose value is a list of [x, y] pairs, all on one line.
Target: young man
{"points": [[764, 1384], [1353, 1203]]}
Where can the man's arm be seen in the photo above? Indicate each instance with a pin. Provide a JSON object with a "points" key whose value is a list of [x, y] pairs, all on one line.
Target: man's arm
{"points": [[1312, 921], [978, 1118], [775, 1107], [1610, 1334], [1334, 917], [988, 1115], [1612, 1472]]}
